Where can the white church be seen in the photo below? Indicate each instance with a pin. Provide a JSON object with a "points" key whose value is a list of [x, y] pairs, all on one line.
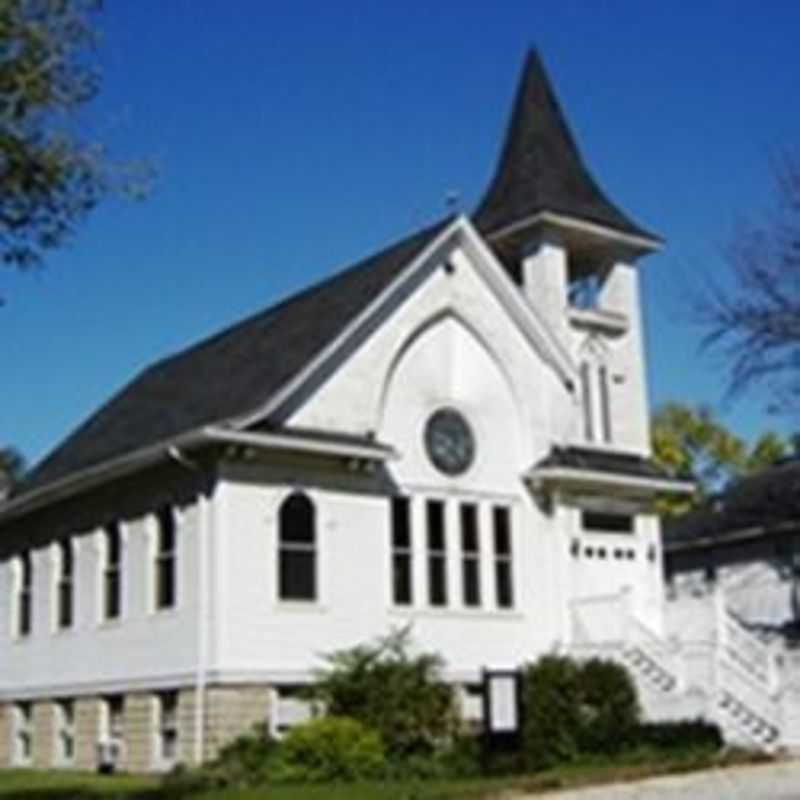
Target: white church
{"points": [[451, 434]]}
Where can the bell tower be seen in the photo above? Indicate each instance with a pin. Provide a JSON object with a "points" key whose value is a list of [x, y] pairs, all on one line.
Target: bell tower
{"points": [[573, 253]]}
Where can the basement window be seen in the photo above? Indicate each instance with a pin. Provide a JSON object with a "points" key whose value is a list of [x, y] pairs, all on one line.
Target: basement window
{"points": [[168, 727]]}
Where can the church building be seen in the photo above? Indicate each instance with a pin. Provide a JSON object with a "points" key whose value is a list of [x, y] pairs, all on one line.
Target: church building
{"points": [[452, 435]]}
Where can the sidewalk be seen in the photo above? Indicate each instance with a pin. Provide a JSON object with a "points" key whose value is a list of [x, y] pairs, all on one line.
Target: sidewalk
{"points": [[779, 781]]}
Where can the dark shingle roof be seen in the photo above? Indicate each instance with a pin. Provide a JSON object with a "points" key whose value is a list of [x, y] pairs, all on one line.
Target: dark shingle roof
{"points": [[614, 463], [231, 373], [541, 169], [759, 502]]}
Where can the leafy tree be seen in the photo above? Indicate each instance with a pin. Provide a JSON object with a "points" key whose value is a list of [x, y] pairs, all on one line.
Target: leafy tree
{"points": [[12, 467], [393, 691], [50, 176], [755, 321], [694, 445]]}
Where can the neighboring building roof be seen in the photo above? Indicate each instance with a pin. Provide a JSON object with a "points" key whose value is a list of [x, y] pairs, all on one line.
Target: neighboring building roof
{"points": [[756, 504], [230, 374], [541, 169], [613, 463]]}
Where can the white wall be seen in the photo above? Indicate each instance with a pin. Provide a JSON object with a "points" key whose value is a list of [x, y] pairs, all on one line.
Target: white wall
{"points": [[143, 647]]}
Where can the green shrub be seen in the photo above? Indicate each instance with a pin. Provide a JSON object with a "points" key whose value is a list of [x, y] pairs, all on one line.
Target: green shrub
{"points": [[609, 707], [330, 749], [576, 708], [680, 735], [551, 729], [392, 691]]}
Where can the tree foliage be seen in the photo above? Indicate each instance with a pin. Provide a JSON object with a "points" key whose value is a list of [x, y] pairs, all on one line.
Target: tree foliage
{"points": [[50, 176], [694, 445], [390, 689], [754, 321]]}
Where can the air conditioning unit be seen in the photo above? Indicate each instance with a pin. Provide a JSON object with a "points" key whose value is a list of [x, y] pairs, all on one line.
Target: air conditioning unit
{"points": [[110, 753]]}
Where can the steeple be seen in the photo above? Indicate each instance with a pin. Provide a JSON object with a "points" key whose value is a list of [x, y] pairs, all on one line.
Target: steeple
{"points": [[541, 178]]}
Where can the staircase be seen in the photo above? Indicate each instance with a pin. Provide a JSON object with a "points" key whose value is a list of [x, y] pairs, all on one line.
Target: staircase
{"points": [[718, 670]]}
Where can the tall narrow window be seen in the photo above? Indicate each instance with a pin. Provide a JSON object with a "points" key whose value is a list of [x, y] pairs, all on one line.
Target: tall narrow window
{"points": [[112, 572], [503, 567], [586, 401], [65, 728], [23, 733], [437, 554], [605, 403], [25, 595], [297, 549], [168, 726], [402, 575], [470, 555], [165, 559], [64, 584]]}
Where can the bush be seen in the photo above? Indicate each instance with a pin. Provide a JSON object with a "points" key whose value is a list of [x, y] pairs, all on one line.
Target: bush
{"points": [[574, 708], [552, 721], [680, 735], [330, 749], [399, 695], [609, 707]]}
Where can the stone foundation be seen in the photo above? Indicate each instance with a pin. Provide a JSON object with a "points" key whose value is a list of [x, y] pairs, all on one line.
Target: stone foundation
{"points": [[232, 711], [88, 730], [44, 734], [228, 712], [6, 734]]}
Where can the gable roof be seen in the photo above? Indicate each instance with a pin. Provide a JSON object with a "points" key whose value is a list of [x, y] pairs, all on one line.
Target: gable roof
{"points": [[541, 169], [758, 504], [231, 373]]}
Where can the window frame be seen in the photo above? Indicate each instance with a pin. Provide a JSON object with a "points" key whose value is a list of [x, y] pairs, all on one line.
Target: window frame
{"points": [[167, 728], [469, 519], [111, 573], [165, 560], [23, 601], [22, 715], [402, 553], [65, 730], [303, 550], [436, 554], [65, 585], [503, 557]]}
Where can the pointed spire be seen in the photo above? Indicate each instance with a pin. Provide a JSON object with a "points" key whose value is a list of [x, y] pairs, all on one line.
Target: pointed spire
{"points": [[541, 169]]}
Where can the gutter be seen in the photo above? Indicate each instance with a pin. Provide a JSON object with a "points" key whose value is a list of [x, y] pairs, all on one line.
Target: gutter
{"points": [[166, 449]]}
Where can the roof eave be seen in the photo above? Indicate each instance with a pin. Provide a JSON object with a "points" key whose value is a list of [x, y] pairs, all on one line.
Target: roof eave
{"points": [[170, 449], [567, 476], [639, 243]]}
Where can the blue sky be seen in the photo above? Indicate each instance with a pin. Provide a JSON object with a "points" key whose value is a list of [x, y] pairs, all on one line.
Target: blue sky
{"points": [[293, 139]]}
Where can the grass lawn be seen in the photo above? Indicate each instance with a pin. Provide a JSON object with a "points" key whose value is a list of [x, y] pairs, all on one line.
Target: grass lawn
{"points": [[30, 785]]}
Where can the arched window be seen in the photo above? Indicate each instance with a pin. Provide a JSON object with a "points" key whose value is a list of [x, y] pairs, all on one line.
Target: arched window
{"points": [[595, 393], [297, 549]]}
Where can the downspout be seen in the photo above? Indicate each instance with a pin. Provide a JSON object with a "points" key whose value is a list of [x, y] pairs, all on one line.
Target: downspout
{"points": [[201, 677]]}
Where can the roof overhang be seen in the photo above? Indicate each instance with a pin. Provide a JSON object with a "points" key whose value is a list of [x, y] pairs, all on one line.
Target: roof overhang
{"points": [[574, 479], [174, 448], [582, 234], [732, 538]]}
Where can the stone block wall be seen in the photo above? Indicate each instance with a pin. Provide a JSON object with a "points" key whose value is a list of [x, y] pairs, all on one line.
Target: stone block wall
{"points": [[88, 721], [6, 734], [140, 731], [44, 734], [232, 711]]}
